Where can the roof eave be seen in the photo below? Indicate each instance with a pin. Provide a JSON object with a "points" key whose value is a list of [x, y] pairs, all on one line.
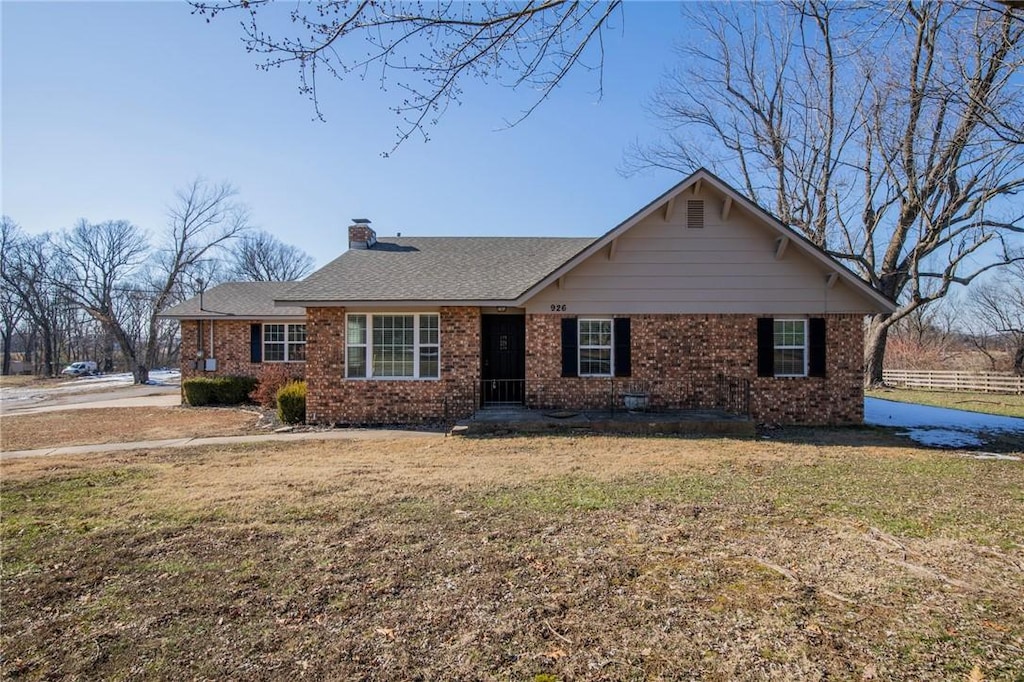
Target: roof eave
{"points": [[398, 303], [230, 316]]}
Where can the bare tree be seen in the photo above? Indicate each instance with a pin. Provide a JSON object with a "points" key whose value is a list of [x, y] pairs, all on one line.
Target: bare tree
{"points": [[12, 307], [889, 134], [428, 50], [106, 259], [262, 257], [122, 282], [999, 308], [928, 338], [204, 217], [33, 271]]}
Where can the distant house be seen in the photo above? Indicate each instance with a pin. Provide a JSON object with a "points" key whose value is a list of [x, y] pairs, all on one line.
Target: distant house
{"points": [[700, 299]]}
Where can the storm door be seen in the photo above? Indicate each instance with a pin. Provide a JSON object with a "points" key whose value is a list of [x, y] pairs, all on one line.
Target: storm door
{"points": [[503, 359]]}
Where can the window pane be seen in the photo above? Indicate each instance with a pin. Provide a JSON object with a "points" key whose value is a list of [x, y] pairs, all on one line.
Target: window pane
{"points": [[297, 333], [273, 352], [356, 329], [393, 346], [428, 329], [296, 352], [789, 332], [595, 361], [789, 361], [273, 332], [355, 361], [429, 366], [595, 332]]}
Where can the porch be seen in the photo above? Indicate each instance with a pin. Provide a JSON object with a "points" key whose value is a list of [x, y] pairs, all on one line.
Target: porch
{"points": [[518, 419]]}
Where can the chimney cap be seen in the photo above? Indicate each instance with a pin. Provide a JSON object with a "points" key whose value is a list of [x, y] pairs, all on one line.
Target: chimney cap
{"points": [[361, 221]]}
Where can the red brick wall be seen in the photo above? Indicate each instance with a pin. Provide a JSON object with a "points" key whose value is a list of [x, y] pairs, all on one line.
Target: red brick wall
{"points": [[332, 399], [695, 361], [688, 361], [230, 349]]}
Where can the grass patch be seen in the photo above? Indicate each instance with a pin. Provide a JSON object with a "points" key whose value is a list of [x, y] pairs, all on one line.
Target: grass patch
{"points": [[989, 403], [121, 425], [516, 558]]}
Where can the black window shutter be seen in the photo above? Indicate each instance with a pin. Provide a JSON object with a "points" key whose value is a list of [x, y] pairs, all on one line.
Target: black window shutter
{"points": [[255, 343], [570, 343], [623, 359], [765, 346], [816, 347]]}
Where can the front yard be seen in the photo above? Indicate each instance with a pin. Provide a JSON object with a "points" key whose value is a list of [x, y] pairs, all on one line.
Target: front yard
{"points": [[829, 554]]}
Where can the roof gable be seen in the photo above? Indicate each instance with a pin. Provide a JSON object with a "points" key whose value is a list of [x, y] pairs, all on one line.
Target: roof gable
{"points": [[785, 237]]}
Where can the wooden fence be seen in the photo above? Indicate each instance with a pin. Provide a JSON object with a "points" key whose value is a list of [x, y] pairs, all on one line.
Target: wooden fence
{"points": [[981, 382]]}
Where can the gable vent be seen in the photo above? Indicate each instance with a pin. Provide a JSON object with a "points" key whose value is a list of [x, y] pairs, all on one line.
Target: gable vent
{"points": [[695, 213]]}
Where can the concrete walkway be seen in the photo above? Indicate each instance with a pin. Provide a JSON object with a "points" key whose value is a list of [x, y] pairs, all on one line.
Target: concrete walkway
{"points": [[336, 434]]}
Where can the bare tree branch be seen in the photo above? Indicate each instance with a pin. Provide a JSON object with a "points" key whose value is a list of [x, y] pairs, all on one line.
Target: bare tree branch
{"points": [[427, 50], [889, 134]]}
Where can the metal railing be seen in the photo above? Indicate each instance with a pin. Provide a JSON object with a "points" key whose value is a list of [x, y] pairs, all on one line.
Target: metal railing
{"points": [[502, 392], [724, 393]]}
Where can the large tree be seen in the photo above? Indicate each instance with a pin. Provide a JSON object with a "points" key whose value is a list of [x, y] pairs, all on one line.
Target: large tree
{"points": [[123, 282], [33, 272], [12, 305], [108, 261], [891, 135], [262, 257]]}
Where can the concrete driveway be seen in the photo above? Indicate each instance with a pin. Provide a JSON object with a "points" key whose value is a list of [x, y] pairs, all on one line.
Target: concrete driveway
{"points": [[87, 393]]}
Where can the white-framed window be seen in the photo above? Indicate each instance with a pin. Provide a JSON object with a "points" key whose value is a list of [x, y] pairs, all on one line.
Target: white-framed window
{"points": [[595, 348], [284, 342], [392, 346], [790, 348]]}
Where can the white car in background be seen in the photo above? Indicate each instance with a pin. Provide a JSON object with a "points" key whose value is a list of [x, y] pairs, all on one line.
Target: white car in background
{"points": [[80, 369]]}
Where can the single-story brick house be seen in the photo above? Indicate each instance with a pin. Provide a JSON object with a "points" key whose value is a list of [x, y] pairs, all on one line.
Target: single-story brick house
{"points": [[700, 299]]}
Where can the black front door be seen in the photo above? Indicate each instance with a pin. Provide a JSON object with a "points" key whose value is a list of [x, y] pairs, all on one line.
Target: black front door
{"points": [[503, 358]]}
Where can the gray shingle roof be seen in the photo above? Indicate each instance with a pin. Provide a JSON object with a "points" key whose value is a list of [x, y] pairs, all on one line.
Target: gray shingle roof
{"points": [[248, 300], [438, 269]]}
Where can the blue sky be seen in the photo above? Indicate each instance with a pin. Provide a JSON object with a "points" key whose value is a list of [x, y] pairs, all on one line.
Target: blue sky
{"points": [[108, 107]]}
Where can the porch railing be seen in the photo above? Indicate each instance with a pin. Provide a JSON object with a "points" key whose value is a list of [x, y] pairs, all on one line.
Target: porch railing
{"points": [[725, 393]]}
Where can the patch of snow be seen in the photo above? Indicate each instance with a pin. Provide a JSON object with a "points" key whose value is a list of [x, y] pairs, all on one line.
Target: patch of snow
{"points": [[939, 426], [989, 455], [942, 438]]}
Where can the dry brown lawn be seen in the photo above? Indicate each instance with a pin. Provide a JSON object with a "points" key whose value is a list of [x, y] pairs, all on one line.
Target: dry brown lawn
{"points": [[810, 555], [121, 425]]}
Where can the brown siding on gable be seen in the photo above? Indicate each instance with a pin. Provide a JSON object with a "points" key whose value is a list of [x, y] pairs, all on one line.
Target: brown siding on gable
{"points": [[332, 399], [728, 267], [680, 358]]}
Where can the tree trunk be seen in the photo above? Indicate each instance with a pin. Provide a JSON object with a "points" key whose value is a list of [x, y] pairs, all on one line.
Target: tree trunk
{"points": [[8, 333], [1018, 360], [875, 336], [141, 373], [49, 355]]}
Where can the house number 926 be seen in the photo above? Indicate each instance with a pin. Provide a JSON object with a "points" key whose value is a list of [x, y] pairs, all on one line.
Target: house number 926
{"points": [[558, 307]]}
